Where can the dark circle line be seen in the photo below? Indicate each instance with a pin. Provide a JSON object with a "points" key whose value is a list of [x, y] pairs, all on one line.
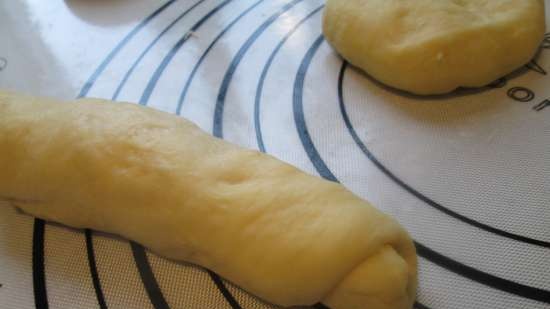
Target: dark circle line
{"points": [[423, 251], [299, 118], [418, 305], [151, 45], [38, 266], [223, 289], [413, 191], [140, 257], [257, 103], [93, 269], [267, 66], [483, 277], [148, 277], [217, 129], [205, 53], [173, 51], [92, 79]]}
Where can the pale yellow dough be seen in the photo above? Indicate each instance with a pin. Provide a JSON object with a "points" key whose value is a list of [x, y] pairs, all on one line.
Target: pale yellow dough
{"points": [[435, 46], [281, 234]]}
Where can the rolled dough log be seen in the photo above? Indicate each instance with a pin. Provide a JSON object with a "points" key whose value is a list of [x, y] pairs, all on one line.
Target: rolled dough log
{"points": [[281, 234], [435, 46]]}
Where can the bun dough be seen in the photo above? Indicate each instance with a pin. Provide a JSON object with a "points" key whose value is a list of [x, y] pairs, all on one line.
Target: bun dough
{"points": [[279, 233], [435, 46]]}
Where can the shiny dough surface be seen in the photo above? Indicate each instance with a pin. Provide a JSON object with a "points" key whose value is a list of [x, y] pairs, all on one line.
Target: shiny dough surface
{"points": [[435, 46], [286, 236]]}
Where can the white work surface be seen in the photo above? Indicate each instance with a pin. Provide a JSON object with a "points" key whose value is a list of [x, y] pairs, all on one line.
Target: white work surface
{"points": [[467, 174]]}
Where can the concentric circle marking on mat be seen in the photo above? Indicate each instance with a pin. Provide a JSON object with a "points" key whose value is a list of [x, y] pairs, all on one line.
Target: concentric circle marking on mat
{"points": [[91, 80], [38, 273], [413, 191], [217, 129], [148, 48], [423, 251], [173, 51], [267, 66], [93, 270], [205, 53], [148, 277]]}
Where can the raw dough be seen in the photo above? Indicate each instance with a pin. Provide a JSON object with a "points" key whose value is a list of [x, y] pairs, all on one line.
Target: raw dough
{"points": [[435, 46], [286, 236]]}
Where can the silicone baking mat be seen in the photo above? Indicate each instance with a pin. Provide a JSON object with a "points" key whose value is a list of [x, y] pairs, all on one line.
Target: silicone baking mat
{"points": [[467, 174]]}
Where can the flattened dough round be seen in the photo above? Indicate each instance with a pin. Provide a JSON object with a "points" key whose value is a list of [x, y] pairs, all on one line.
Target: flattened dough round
{"points": [[435, 46]]}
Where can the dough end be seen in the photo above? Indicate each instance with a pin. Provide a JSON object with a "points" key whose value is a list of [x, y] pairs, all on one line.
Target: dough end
{"points": [[391, 283]]}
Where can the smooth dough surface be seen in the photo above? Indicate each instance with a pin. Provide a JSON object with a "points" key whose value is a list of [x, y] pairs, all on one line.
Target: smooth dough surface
{"points": [[279, 233], [435, 46]]}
